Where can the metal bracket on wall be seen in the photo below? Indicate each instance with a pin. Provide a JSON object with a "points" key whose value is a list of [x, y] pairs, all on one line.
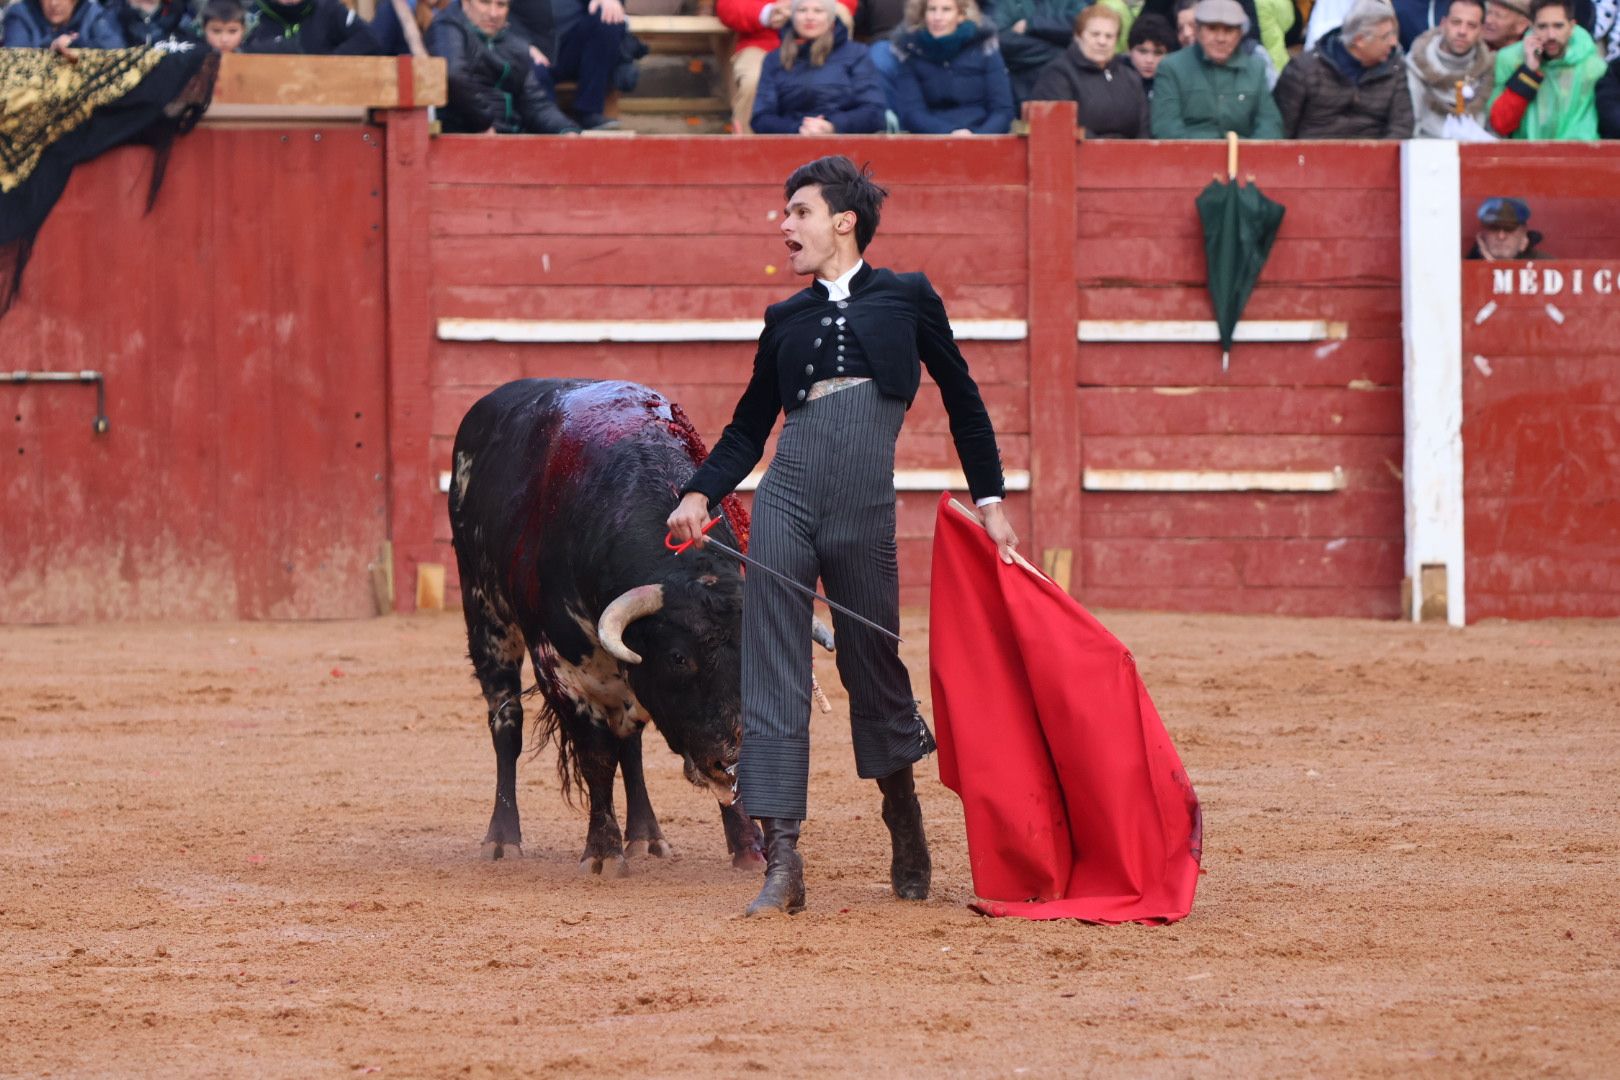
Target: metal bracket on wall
{"points": [[99, 425]]}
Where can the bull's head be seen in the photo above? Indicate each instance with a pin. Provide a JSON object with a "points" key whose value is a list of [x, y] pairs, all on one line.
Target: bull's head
{"points": [[685, 668]]}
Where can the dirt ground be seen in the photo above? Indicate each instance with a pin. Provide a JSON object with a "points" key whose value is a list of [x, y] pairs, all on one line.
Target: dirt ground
{"points": [[253, 850]]}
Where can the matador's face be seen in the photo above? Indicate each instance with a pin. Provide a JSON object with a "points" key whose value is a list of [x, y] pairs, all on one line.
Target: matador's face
{"points": [[811, 231]]}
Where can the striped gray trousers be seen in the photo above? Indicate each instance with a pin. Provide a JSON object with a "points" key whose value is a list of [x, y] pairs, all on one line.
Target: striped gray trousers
{"points": [[825, 507]]}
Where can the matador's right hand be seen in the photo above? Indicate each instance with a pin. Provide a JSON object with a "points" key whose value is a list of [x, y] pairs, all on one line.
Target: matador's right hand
{"points": [[688, 518]]}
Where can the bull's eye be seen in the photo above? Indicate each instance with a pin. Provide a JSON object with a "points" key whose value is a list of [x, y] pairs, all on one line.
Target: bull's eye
{"points": [[678, 659]]}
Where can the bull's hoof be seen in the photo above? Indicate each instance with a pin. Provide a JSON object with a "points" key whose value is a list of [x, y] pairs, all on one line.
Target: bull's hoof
{"points": [[640, 849], [604, 865], [749, 859], [496, 849]]}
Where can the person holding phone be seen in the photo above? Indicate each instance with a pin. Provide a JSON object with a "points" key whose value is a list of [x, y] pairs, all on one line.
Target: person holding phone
{"points": [[1545, 84]]}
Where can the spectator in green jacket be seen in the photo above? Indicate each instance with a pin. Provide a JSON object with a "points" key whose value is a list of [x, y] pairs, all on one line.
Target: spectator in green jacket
{"points": [[1545, 84], [1213, 86]]}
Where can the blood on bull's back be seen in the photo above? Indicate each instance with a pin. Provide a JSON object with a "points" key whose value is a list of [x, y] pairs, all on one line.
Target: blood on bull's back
{"points": [[558, 497]]}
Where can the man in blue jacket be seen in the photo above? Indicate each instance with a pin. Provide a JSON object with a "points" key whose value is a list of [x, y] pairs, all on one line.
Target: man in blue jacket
{"points": [[841, 360], [60, 24]]}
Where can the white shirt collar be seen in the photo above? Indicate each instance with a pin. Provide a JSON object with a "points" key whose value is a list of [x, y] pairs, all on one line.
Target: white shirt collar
{"points": [[839, 290]]}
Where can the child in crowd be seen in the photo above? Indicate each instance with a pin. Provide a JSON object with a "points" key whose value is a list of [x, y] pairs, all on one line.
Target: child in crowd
{"points": [[224, 22], [1151, 39]]}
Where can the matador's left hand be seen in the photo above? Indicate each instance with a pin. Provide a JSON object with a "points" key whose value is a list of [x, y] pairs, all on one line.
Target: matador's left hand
{"points": [[1000, 529]]}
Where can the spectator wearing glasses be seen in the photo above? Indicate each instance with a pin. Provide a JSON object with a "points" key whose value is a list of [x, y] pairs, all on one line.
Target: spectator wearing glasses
{"points": [[1352, 85], [950, 78], [1214, 85], [1504, 231], [1113, 104], [1452, 53], [1545, 84]]}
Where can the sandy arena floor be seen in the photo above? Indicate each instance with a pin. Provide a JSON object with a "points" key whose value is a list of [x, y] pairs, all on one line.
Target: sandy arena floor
{"points": [[252, 850]]}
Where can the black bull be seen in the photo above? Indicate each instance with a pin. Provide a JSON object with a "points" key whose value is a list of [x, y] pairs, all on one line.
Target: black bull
{"points": [[558, 497]]}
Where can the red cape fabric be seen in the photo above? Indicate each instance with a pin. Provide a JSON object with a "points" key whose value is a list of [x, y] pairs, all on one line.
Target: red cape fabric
{"points": [[1076, 803]]}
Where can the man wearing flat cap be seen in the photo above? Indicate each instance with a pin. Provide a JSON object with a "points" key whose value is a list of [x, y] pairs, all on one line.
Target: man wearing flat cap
{"points": [[1352, 85], [1504, 232], [1214, 86], [1505, 22]]}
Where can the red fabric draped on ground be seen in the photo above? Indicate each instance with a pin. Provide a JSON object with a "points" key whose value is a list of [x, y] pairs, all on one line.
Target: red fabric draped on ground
{"points": [[1076, 803]]}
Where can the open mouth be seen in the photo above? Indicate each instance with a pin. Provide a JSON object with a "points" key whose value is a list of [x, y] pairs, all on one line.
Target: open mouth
{"points": [[794, 246]]}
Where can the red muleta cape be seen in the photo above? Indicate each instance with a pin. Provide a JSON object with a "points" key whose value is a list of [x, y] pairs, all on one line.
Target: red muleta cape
{"points": [[1076, 803]]}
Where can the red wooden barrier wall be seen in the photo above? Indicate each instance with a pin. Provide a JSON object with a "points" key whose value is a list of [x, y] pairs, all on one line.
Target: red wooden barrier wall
{"points": [[677, 228], [1283, 406], [240, 326], [1541, 438]]}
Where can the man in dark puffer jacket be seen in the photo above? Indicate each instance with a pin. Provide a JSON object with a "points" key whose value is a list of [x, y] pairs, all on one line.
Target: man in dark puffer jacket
{"points": [[312, 27], [1352, 85], [491, 77]]}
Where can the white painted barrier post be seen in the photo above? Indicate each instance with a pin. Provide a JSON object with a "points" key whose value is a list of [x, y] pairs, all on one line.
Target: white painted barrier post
{"points": [[1431, 322]]}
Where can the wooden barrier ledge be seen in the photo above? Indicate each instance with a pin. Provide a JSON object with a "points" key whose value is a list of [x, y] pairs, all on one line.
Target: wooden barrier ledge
{"points": [[264, 87]]}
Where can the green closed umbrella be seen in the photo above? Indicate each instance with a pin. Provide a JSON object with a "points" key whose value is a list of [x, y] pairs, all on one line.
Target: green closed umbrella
{"points": [[1240, 225]]}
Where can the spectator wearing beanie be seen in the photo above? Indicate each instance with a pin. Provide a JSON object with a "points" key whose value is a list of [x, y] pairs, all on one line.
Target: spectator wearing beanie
{"points": [[1451, 53], [950, 78], [1214, 85], [1152, 39], [1352, 85], [819, 82], [1113, 104], [1545, 84], [1504, 232]]}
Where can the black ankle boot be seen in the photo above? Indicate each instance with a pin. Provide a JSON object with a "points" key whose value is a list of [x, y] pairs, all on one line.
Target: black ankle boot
{"points": [[911, 870], [783, 892]]}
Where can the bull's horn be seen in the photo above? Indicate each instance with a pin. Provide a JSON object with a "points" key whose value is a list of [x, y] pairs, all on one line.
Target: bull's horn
{"points": [[639, 601], [822, 633]]}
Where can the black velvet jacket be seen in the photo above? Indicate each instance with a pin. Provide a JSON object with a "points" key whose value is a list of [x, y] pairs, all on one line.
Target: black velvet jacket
{"points": [[898, 319]]}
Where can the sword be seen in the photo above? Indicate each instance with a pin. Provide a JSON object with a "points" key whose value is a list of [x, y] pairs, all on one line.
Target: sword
{"points": [[669, 542]]}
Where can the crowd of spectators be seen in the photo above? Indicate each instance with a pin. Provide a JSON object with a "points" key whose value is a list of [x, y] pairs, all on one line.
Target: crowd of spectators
{"points": [[1175, 69]]}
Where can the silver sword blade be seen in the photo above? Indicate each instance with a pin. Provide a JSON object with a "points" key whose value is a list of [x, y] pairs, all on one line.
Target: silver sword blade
{"points": [[784, 579]]}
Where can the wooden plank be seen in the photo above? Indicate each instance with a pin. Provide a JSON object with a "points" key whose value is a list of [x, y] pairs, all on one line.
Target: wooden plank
{"points": [[1054, 415], [1180, 260], [1377, 361], [1369, 462], [1182, 331], [558, 301], [1293, 562], [1137, 166], [1367, 213], [1208, 480], [703, 210], [410, 398], [1238, 515], [701, 261], [682, 105], [603, 164], [1374, 602], [710, 407], [366, 81], [1483, 604], [565, 331], [492, 363], [1240, 410], [683, 25], [1371, 311]]}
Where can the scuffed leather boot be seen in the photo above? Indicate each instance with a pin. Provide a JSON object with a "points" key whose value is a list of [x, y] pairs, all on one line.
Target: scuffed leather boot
{"points": [[911, 870], [783, 891]]}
